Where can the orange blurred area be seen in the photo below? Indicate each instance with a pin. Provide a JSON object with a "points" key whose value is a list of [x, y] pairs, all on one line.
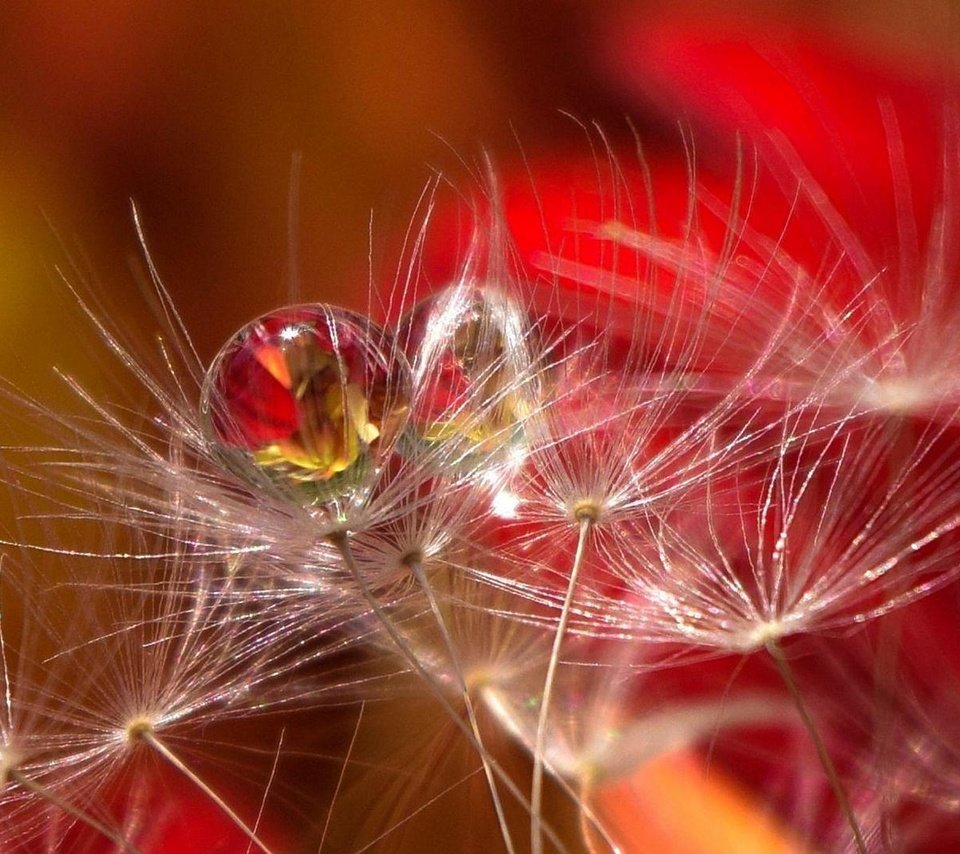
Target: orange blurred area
{"points": [[676, 803]]}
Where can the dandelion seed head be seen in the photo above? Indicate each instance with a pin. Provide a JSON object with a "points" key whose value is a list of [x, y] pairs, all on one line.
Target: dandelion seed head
{"points": [[586, 509], [712, 444], [136, 728], [10, 759], [760, 635], [412, 555]]}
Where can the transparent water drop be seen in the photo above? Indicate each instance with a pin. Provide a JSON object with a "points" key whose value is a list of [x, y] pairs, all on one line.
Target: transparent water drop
{"points": [[475, 380], [307, 400]]}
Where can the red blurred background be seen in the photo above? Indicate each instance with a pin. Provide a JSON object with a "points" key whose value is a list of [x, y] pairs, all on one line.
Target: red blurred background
{"points": [[195, 111]]}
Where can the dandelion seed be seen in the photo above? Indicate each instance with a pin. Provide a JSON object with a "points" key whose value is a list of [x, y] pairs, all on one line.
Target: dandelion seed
{"points": [[30, 758], [833, 533], [149, 656]]}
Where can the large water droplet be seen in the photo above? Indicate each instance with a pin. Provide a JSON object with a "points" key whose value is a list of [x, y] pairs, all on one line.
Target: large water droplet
{"points": [[309, 400]]}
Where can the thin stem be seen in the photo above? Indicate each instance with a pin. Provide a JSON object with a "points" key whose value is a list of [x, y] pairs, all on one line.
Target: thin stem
{"points": [[342, 542], [495, 703], [536, 789], [343, 773], [786, 673], [70, 809], [417, 569], [266, 790], [150, 739]]}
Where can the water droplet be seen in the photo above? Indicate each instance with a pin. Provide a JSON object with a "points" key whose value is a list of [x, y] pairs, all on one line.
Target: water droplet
{"points": [[474, 378], [309, 400]]}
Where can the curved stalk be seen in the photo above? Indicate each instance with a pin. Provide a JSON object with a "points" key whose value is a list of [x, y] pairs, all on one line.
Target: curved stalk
{"points": [[342, 542], [417, 569], [586, 522], [148, 738], [786, 674]]}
